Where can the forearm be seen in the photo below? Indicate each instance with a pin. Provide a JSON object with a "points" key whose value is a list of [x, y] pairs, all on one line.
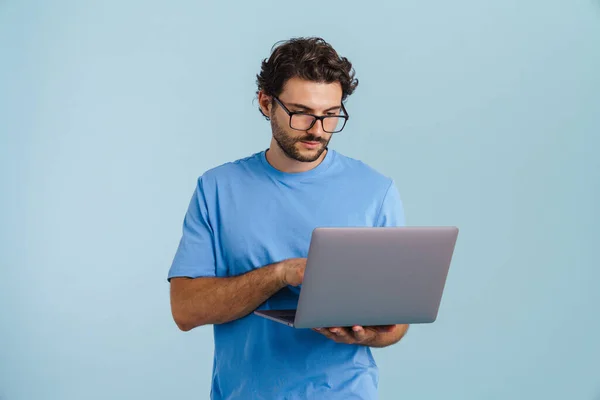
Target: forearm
{"points": [[384, 339], [202, 301]]}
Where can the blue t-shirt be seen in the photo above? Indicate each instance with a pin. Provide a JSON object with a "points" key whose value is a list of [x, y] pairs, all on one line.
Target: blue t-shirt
{"points": [[247, 214]]}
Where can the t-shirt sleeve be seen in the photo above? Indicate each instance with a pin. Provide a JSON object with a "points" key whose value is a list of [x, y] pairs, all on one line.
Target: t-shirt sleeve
{"points": [[391, 212], [195, 256]]}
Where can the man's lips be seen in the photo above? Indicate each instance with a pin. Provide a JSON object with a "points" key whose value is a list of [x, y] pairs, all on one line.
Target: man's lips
{"points": [[310, 144]]}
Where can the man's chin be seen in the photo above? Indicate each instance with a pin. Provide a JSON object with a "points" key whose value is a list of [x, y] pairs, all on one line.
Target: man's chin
{"points": [[309, 155]]}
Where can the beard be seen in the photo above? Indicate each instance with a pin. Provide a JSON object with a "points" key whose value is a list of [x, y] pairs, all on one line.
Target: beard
{"points": [[287, 143]]}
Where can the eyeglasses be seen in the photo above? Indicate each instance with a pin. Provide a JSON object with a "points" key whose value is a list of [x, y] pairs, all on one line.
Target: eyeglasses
{"points": [[301, 121]]}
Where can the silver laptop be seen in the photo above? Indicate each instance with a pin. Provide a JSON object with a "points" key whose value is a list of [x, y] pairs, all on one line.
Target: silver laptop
{"points": [[372, 276]]}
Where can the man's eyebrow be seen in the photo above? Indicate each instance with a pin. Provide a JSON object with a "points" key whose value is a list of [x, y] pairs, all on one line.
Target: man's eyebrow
{"points": [[297, 105]]}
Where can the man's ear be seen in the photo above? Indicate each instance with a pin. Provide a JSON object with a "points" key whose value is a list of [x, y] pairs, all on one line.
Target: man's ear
{"points": [[265, 102]]}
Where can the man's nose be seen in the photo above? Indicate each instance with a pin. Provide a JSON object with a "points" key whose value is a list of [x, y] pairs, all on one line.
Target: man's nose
{"points": [[317, 129]]}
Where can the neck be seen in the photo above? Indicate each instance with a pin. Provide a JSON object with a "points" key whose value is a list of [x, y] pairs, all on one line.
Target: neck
{"points": [[279, 160]]}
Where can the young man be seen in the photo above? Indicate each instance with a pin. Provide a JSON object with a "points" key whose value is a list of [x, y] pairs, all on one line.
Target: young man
{"points": [[247, 231]]}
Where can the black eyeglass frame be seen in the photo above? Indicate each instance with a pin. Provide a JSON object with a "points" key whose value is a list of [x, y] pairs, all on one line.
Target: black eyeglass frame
{"points": [[316, 117]]}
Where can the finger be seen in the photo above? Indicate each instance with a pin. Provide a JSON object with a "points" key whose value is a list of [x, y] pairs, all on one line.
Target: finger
{"points": [[359, 333], [362, 334], [340, 331], [325, 332], [348, 335], [344, 335]]}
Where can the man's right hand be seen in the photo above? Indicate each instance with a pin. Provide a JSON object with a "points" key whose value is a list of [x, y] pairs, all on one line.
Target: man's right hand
{"points": [[292, 271]]}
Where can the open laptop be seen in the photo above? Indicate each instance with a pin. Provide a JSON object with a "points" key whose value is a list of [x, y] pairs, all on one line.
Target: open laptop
{"points": [[372, 276]]}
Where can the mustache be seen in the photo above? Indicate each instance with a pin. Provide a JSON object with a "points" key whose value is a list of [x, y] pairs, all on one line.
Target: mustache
{"points": [[311, 139]]}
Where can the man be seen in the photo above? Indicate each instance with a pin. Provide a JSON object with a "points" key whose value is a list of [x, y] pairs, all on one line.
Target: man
{"points": [[247, 231]]}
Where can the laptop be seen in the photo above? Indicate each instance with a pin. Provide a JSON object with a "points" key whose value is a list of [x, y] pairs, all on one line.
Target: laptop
{"points": [[371, 276]]}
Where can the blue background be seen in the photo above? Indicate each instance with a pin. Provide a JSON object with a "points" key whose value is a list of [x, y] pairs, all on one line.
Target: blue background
{"points": [[486, 113]]}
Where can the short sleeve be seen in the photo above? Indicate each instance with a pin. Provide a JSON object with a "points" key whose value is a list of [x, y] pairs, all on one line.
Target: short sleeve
{"points": [[195, 256], [391, 212]]}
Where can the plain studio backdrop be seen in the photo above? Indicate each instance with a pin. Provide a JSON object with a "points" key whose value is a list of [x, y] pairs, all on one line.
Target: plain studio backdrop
{"points": [[486, 113]]}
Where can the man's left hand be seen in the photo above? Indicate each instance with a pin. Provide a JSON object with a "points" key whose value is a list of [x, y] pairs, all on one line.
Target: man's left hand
{"points": [[363, 335]]}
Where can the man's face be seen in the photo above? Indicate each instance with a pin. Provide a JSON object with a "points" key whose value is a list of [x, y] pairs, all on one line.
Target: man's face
{"points": [[312, 98]]}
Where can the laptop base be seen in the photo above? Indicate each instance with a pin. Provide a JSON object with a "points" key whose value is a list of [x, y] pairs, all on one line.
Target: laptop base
{"points": [[286, 317]]}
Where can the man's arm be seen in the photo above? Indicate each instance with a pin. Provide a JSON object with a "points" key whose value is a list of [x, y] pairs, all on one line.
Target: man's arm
{"points": [[211, 300]]}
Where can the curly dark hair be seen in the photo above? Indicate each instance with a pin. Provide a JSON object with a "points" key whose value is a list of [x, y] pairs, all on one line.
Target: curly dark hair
{"points": [[310, 58]]}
